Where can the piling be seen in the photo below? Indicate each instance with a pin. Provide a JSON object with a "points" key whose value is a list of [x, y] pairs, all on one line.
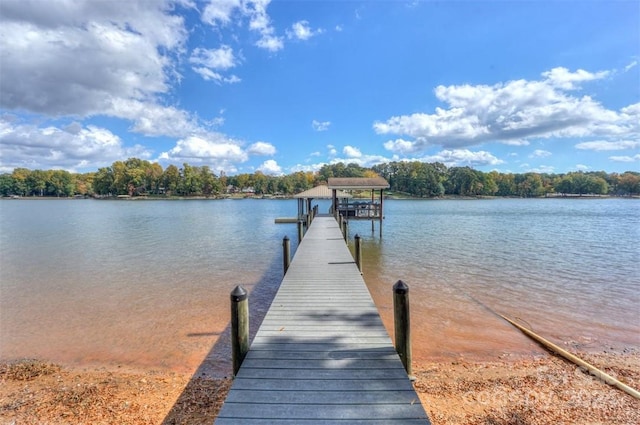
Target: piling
{"points": [[300, 230], [358, 243], [402, 325], [239, 326], [286, 253], [345, 230]]}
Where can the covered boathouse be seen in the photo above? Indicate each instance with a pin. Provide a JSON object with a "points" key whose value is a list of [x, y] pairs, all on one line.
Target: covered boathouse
{"points": [[361, 208]]}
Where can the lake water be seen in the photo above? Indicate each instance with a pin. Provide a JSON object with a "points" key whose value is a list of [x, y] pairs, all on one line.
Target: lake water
{"points": [[145, 284]]}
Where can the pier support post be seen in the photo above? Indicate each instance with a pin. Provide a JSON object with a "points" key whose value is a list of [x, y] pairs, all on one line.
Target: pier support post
{"points": [[358, 243], [286, 253], [300, 230], [402, 324], [239, 326], [345, 230]]}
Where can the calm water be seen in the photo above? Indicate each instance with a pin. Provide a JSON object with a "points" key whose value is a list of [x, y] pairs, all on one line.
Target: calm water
{"points": [[146, 284]]}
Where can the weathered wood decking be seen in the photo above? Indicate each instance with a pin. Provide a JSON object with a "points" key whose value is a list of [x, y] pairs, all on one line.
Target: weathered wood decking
{"points": [[322, 355]]}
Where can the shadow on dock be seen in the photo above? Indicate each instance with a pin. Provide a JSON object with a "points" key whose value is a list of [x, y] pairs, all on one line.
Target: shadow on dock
{"points": [[205, 392]]}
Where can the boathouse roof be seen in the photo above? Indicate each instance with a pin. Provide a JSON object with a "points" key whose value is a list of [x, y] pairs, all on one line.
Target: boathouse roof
{"points": [[320, 192], [346, 183]]}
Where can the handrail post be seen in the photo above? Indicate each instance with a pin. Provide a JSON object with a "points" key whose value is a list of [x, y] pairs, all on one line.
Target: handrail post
{"points": [[286, 253], [358, 243], [239, 326], [402, 325], [300, 231]]}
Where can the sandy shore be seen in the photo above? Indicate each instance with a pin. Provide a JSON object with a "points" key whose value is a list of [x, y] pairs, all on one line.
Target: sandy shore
{"points": [[541, 390]]}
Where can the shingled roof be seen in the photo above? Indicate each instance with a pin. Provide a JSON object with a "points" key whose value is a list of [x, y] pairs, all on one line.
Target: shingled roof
{"points": [[320, 192], [346, 183]]}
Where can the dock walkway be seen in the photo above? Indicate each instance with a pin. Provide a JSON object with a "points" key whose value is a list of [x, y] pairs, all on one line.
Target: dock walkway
{"points": [[322, 354]]}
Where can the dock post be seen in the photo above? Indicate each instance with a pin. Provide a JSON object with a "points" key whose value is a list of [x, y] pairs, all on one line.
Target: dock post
{"points": [[300, 230], [239, 326], [345, 230], [286, 253], [358, 252], [402, 324]]}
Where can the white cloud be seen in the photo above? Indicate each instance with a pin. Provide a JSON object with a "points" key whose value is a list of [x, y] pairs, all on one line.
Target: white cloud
{"points": [[582, 167], [625, 158], [211, 61], [539, 153], [261, 148], [630, 66], [152, 119], [260, 22], [463, 157], [220, 12], [603, 145], [270, 42], [210, 75], [565, 79], [307, 168], [270, 167], [320, 125], [224, 12], [401, 146], [302, 31], [543, 169], [221, 58], [212, 149], [512, 113], [71, 148], [120, 50], [339, 28], [352, 152]]}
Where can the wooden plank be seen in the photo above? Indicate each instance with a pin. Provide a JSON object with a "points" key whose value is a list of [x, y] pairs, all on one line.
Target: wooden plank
{"points": [[325, 363], [323, 411], [259, 421], [390, 385], [322, 354], [321, 397]]}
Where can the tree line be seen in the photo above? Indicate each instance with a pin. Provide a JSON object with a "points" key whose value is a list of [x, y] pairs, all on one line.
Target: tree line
{"points": [[137, 177]]}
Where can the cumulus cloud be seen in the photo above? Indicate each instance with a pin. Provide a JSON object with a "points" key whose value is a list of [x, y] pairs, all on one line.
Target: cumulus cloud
{"points": [[567, 80], [261, 148], [540, 153], [352, 152], [71, 147], [271, 167], [208, 62], [119, 50], [213, 149], [603, 145], [401, 146], [463, 157], [302, 31], [222, 13], [511, 113], [320, 125]]}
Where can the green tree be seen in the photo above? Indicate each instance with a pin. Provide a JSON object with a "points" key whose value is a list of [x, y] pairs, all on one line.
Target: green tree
{"points": [[20, 176], [6, 184], [171, 179]]}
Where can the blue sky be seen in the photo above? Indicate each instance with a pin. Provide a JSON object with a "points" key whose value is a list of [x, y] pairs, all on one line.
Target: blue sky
{"points": [[285, 86]]}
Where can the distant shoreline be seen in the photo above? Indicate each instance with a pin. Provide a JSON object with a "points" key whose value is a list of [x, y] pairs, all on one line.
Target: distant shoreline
{"points": [[394, 197]]}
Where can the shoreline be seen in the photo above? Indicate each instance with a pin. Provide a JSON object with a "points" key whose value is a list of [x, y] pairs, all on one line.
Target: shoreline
{"points": [[535, 390]]}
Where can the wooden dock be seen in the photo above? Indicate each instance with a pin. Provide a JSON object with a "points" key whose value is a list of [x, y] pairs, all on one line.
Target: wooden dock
{"points": [[322, 354]]}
